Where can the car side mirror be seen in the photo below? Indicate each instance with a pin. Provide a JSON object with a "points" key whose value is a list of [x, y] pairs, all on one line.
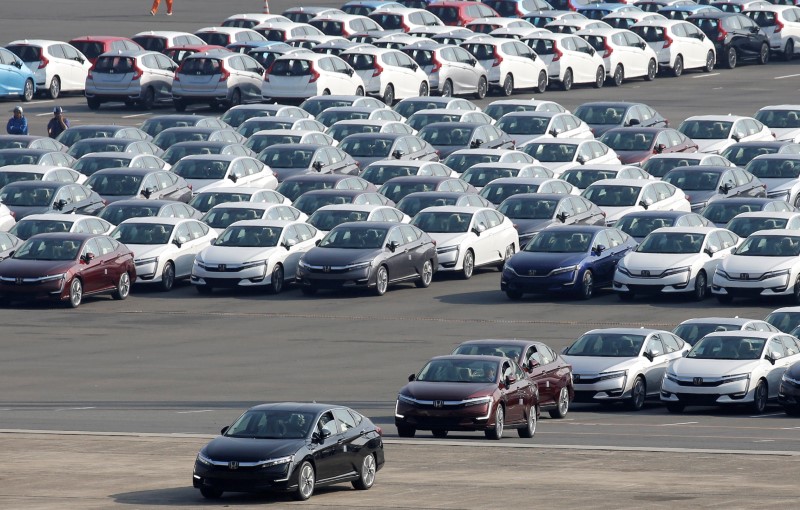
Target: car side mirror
{"points": [[533, 56], [476, 143], [87, 258], [644, 204], [633, 122], [224, 429], [532, 363], [317, 242], [177, 243], [350, 72], [553, 132], [146, 192], [771, 358], [684, 354], [660, 148], [18, 64], [754, 29], [317, 166], [412, 377], [233, 177], [79, 59], [736, 136], [599, 249], [473, 62], [289, 243], [650, 355], [581, 159], [479, 229], [562, 217], [414, 67], [393, 246], [510, 379], [709, 251], [724, 189], [321, 436], [59, 205]]}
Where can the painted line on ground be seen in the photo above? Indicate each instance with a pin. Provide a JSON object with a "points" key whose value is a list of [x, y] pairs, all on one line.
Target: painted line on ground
{"points": [[44, 114], [135, 115], [705, 76], [198, 411], [767, 415], [42, 101], [74, 408], [787, 76], [682, 423]]}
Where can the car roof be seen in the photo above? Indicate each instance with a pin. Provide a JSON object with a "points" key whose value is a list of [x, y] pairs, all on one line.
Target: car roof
{"points": [[465, 209], [736, 321], [786, 215], [419, 179], [157, 219], [624, 331], [521, 180], [56, 216], [32, 152], [370, 224], [203, 143], [657, 214], [637, 129], [688, 230], [127, 171], [214, 157], [493, 341], [638, 183], [702, 168], [337, 192], [129, 53], [67, 236], [317, 177], [40, 184], [139, 202], [445, 125], [541, 196], [295, 406], [351, 207], [752, 334], [403, 162], [110, 154], [382, 136], [264, 206], [469, 357], [778, 232], [748, 200], [721, 118]]}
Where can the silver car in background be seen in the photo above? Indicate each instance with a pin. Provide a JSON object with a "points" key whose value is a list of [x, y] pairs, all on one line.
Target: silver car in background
{"points": [[134, 77], [450, 69], [218, 78]]}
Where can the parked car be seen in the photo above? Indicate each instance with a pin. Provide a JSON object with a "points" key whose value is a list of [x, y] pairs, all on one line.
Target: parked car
{"points": [[14, 173], [736, 37], [680, 45], [217, 78], [223, 215], [524, 127], [287, 160], [92, 46], [57, 66], [413, 203], [451, 69], [30, 142], [788, 393], [510, 64], [301, 76], [533, 212], [114, 184], [36, 197], [705, 184], [561, 154], [212, 171], [746, 223], [783, 121], [635, 145], [584, 176], [121, 210], [178, 151], [640, 224], [481, 174], [39, 157], [692, 330], [780, 173], [16, 79], [134, 77], [159, 40], [381, 171], [58, 223], [659, 164], [77, 133]]}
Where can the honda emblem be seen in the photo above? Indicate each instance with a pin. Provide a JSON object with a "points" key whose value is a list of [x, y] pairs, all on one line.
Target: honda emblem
{"points": [[19, 281], [234, 464], [438, 403], [222, 267], [532, 272], [744, 276], [645, 273], [698, 381], [326, 269]]}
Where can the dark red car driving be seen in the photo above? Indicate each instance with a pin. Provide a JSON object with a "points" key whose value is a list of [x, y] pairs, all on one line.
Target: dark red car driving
{"points": [[66, 267]]}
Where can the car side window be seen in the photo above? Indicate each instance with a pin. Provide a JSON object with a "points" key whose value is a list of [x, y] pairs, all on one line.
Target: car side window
{"points": [[775, 348], [494, 218], [790, 345], [650, 195], [671, 343], [409, 234], [327, 422], [91, 247], [614, 238], [601, 239], [395, 236], [106, 245], [655, 346], [345, 419], [728, 179], [182, 234]]}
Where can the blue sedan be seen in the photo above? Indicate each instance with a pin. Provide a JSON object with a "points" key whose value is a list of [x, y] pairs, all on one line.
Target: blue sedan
{"points": [[572, 259], [15, 77]]}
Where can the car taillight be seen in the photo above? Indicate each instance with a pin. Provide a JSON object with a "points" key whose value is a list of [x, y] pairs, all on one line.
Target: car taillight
{"points": [[778, 25], [137, 72], [519, 12], [89, 76], [497, 58], [437, 65], [667, 40], [557, 54], [379, 430], [721, 33], [190, 186], [609, 49], [314, 74], [224, 74], [403, 24], [43, 61], [177, 72], [688, 198], [13, 214], [378, 69]]}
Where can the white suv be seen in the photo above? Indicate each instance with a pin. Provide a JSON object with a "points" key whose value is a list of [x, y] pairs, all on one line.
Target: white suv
{"points": [[625, 54], [679, 44], [217, 77], [57, 66], [569, 59], [451, 69], [781, 23], [511, 64], [305, 75], [388, 74], [138, 76]]}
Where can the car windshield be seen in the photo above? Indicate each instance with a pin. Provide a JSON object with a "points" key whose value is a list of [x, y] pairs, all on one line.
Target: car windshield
{"points": [[496, 192], [92, 49], [607, 195], [114, 65], [355, 237], [501, 350], [26, 196], [529, 209], [258, 143], [607, 345], [641, 226], [481, 51], [253, 125], [409, 107], [694, 331], [88, 165], [291, 67], [461, 162], [446, 135], [359, 61], [235, 117], [784, 321], [395, 191], [389, 21], [249, 236], [367, 147], [658, 167], [672, 242], [715, 347], [693, 180], [560, 242], [116, 214], [272, 424], [601, 114], [205, 201], [48, 248], [73, 135], [741, 155], [177, 152], [551, 152], [769, 246], [143, 233], [166, 139], [326, 220], [420, 120], [151, 43], [18, 158], [201, 169], [339, 131], [84, 147], [9, 177], [26, 53], [480, 177], [775, 168], [293, 189], [378, 174], [523, 125], [721, 213], [330, 117], [286, 157], [442, 222], [411, 205], [445, 13], [113, 184], [744, 226], [582, 179], [496, 111], [28, 228], [221, 217], [158, 124], [625, 140], [459, 371], [779, 119], [706, 129]]}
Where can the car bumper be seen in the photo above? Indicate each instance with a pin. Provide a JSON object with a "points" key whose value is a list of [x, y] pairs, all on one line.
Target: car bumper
{"points": [[608, 390], [319, 279], [564, 282], [243, 479], [422, 417], [249, 277], [25, 290], [121, 95], [680, 282], [789, 394], [706, 392], [450, 260], [775, 286]]}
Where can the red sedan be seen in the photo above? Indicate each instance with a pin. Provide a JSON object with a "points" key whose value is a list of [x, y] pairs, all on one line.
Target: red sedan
{"points": [[635, 145], [66, 267]]}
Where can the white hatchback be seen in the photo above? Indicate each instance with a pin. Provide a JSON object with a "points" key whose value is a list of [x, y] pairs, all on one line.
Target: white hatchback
{"points": [[300, 76], [388, 74], [781, 24], [511, 64], [625, 54], [679, 45], [569, 59], [57, 66]]}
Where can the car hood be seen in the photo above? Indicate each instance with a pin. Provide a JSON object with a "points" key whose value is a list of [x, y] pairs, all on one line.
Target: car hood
{"points": [[786, 134], [364, 161], [200, 185], [443, 239], [339, 256], [734, 265], [524, 260], [656, 262], [146, 251], [116, 198], [597, 364], [774, 185], [632, 157], [234, 254], [424, 390], [521, 139], [701, 195], [713, 146], [12, 268], [558, 166], [243, 449], [690, 367], [530, 226], [599, 129]]}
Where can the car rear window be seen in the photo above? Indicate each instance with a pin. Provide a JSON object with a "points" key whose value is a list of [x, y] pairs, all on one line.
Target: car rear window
{"points": [[762, 18], [446, 14], [650, 34], [26, 53], [709, 26], [92, 49], [201, 66], [291, 67], [541, 46], [421, 57], [328, 27], [151, 43], [215, 38], [597, 42], [114, 65], [359, 61], [505, 8], [481, 51]]}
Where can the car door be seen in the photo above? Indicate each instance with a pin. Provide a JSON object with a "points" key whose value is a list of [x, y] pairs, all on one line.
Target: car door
{"points": [[112, 268], [776, 350], [464, 71], [350, 439], [307, 239], [482, 243], [538, 373], [92, 271], [514, 397], [64, 195], [720, 252], [12, 77], [417, 246], [603, 264], [184, 256], [397, 261], [166, 75], [329, 455], [74, 68], [654, 368], [617, 245]]}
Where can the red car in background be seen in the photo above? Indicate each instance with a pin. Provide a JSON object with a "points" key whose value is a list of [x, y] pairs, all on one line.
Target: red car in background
{"points": [[459, 12], [178, 53], [95, 45], [66, 267], [635, 145]]}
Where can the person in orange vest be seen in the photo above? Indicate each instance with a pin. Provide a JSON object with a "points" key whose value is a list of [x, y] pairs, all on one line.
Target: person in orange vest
{"points": [[155, 7]]}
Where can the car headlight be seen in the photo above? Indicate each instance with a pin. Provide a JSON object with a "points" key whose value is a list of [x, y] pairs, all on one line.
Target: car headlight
{"points": [[780, 194], [52, 277], [149, 260], [676, 270], [477, 401], [406, 399], [446, 249], [509, 267], [734, 378], [202, 459], [789, 380], [560, 270], [611, 223], [773, 274], [303, 265], [722, 273], [254, 263], [358, 265], [274, 462], [697, 205], [671, 377], [605, 376]]}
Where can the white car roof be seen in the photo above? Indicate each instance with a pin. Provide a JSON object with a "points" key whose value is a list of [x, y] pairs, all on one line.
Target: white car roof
{"points": [[721, 118], [264, 206], [752, 334], [351, 207], [784, 215], [466, 209], [639, 183], [158, 219], [37, 169], [404, 162], [688, 230], [782, 106], [57, 216], [162, 33], [223, 30], [601, 31], [778, 232], [267, 223], [37, 42]]}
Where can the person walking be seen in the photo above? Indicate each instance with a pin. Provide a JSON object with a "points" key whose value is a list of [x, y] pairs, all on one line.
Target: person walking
{"points": [[156, 3], [18, 124], [58, 124]]}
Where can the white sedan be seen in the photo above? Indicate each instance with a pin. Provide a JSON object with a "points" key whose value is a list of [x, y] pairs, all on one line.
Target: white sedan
{"points": [[51, 222], [254, 253], [618, 197], [564, 153], [164, 248], [7, 219], [766, 264], [468, 237], [205, 172], [715, 133], [674, 260], [222, 216], [730, 368]]}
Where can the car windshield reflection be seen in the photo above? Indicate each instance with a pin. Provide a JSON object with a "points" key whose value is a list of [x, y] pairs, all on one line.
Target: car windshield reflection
{"points": [[271, 424]]}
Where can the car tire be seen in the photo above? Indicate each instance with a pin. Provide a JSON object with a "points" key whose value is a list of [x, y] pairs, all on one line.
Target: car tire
{"points": [[700, 286], [75, 293], [496, 432], [366, 475], [55, 88], [179, 105], [27, 91], [149, 99], [236, 98], [508, 85], [638, 395], [562, 404], [93, 104], [710, 61], [587, 285], [541, 83], [167, 277], [306, 481], [619, 76], [204, 290], [439, 433], [123, 287], [308, 291], [599, 77], [483, 87], [426, 275], [677, 69], [360, 91], [447, 89], [788, 51], [627, 297], [514, 295], [731, 58], [277, 280], [652, 70], [763, 54], [566, 83], [506, 256], [210, 493], [424, 90], [468, 267], [529, 429], [675, 408], [724, 299], [760, 395], [388, 95], [381, 281]]}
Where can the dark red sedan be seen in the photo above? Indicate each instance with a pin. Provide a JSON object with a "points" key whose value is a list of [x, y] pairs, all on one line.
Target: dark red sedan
{"points": [[66, 267], [635, 145], [455, 392], [545, 368]]}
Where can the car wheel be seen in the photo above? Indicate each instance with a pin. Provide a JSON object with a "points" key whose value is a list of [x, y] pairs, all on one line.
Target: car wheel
{"points": [[308, 291], [514, 295], [724, 299], [797, 201], [496, 432], [381, 281], [406, 431], [360, 91], [652, 69], [759, 398], [508, 85], [388, 95], [709, 62], [27, 91], [788, 50], [587, 285], [700, 286], [529, 429], [276, 283], [566, 83], [123, 287], [236, 98], [483, 87], [626, 296], [210, 493], [167, 277], [75, 293], [675, 408], [638, 394], [599, 77], [423, 89], [763, 55], [306, 480], [426, 276], [447, 88], [204, 289], [506, 256], [366, 476], [93, 104], [439, 433], [677, 69], [179, 105], [469, 265], [149, 99], [618, 76], [730, 58], [562, 405], [55, 88], [541, 83]]}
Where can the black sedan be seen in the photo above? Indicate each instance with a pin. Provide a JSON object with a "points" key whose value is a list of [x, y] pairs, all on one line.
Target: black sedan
{"points": [[397, 188], [37, 197], [310, 201], [368, 255], [532, 212], [290, 447], [448, 137], [602, 116], [122, 183]]}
